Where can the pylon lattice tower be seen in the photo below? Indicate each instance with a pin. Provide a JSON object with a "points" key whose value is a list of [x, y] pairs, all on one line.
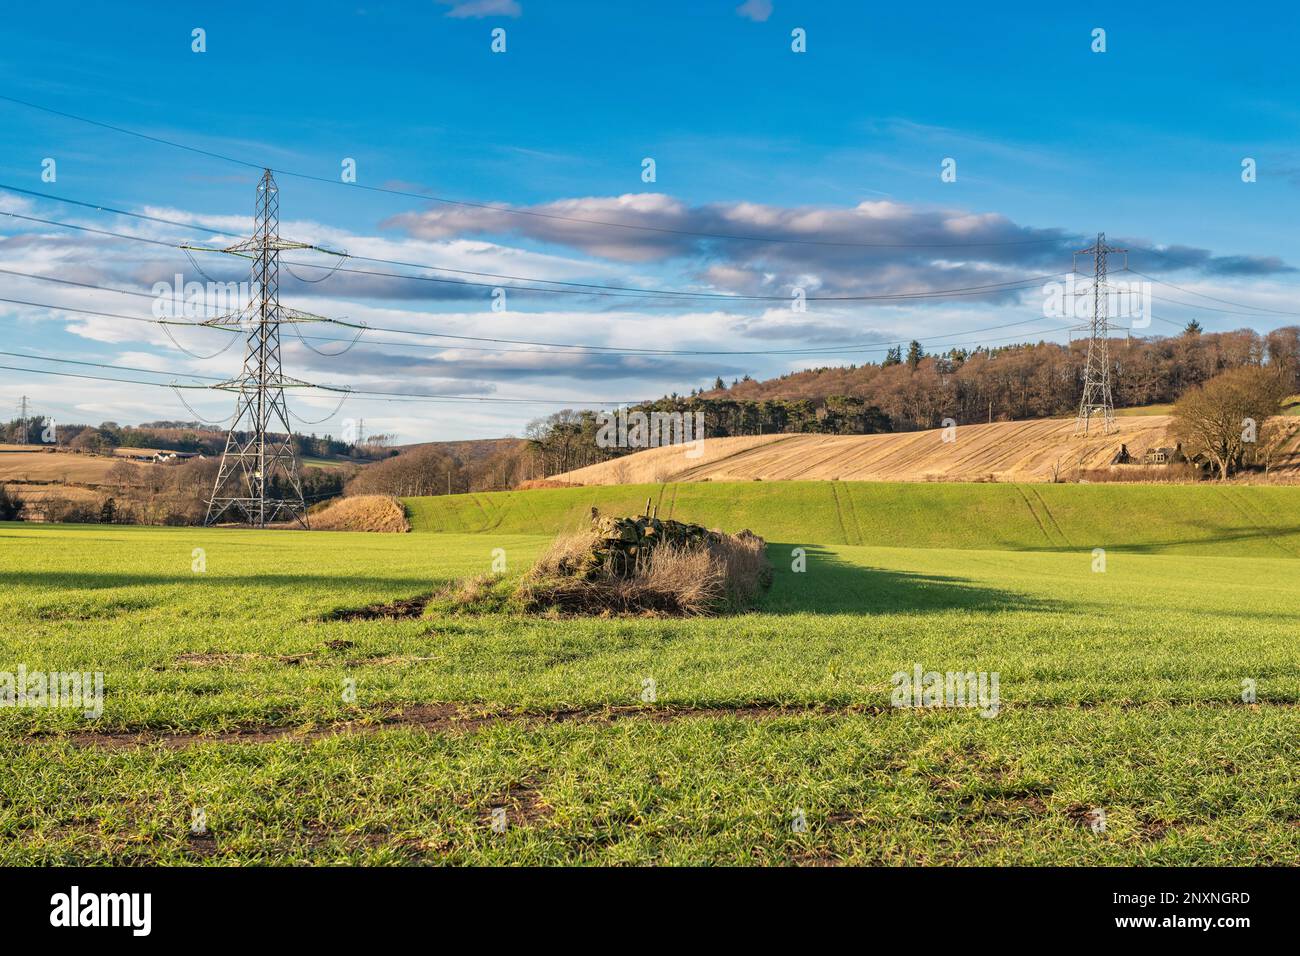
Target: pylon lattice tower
{"points": [[1097, 400], [257, 482]]}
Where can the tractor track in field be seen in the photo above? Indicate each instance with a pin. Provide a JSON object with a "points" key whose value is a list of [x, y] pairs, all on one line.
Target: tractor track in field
{"points": [[1029, 505], [1025, 451], [839, 512], [1230, 495], [449, 718], [1050, 517]]}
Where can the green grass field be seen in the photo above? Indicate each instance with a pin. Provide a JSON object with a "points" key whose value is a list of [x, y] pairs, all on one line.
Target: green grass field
{"points": [[1175, 519], [1120, 690]]}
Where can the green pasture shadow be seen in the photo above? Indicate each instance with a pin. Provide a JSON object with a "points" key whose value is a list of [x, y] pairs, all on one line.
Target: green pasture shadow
{"points": [[831, 585], [1285, 542], [101, 580]]}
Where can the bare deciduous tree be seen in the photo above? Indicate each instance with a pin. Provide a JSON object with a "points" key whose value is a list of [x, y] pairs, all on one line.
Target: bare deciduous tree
{"points": [[1227, 418]]}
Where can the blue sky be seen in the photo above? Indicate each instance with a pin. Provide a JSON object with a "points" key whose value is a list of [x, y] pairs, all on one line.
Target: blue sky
{"points": [[842, 143]]}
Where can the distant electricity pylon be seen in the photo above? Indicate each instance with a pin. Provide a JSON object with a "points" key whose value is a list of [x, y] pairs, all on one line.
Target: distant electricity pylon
{"points": [[258, 482], [22, 417], [1097, 400]]}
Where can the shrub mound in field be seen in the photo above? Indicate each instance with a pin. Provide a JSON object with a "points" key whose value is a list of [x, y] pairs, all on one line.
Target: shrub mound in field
{"points": [[382, 513], [648, 566]]}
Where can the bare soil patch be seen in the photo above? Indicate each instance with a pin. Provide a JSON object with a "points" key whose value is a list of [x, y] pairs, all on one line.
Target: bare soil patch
{"points": [[400, 609], [523, 804]]}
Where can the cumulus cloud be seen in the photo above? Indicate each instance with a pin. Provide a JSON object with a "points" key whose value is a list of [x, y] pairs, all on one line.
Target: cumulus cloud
{"points": [[467, 372], [873, 247], [1175, 258], [756, 10]]}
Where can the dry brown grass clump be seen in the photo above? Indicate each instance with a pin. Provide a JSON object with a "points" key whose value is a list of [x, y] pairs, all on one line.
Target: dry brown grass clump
{"points": [[1176, 474], [744, 559], [723, 573], [532, 483], [382, 513], [566, 554]]}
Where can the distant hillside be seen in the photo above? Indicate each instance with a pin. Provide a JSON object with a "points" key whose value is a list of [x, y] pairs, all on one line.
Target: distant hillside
{"points": [[36, 465], [1204, 519], [469, 451], [445, 467], [1003, 451]]}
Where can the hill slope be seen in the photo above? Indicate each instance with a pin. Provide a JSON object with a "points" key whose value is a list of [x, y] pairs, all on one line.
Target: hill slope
{"points": [[1187, 519], [1002, 451]]}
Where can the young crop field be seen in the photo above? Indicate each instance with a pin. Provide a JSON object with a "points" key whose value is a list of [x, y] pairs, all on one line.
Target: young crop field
{"points": [[1179, 519], [292, 689]]}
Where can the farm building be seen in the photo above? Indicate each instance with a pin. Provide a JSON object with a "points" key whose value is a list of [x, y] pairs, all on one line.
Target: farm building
{"points": [[1164, 455]]}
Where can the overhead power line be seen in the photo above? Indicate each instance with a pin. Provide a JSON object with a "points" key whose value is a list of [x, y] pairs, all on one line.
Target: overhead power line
{"points": [[566, 287], [596, 289], [115, 365], [357, 396], [1013, 285], [546, 348], [533, 213], [354, 393], [1240, 305]]}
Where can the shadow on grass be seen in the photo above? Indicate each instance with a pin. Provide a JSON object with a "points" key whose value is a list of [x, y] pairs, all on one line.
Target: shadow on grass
{"points": [[99, 580], [1286, 540], [831, 585]]}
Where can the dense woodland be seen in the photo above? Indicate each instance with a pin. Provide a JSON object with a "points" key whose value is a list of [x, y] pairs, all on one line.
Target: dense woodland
{"points": [[910, 390]]}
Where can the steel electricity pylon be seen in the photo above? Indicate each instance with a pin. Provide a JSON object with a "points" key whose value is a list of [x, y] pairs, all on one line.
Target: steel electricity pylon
{"points": [[22, 418], [258, 483], [1097, 401]]}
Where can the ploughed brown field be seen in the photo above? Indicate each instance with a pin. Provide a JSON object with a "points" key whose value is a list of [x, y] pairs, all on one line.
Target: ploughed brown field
{"points": [[1001, 451], [24, 463]]}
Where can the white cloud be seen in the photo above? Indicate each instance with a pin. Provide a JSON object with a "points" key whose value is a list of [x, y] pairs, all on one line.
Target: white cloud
{"points": [[756, 10], [478, 9]]}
